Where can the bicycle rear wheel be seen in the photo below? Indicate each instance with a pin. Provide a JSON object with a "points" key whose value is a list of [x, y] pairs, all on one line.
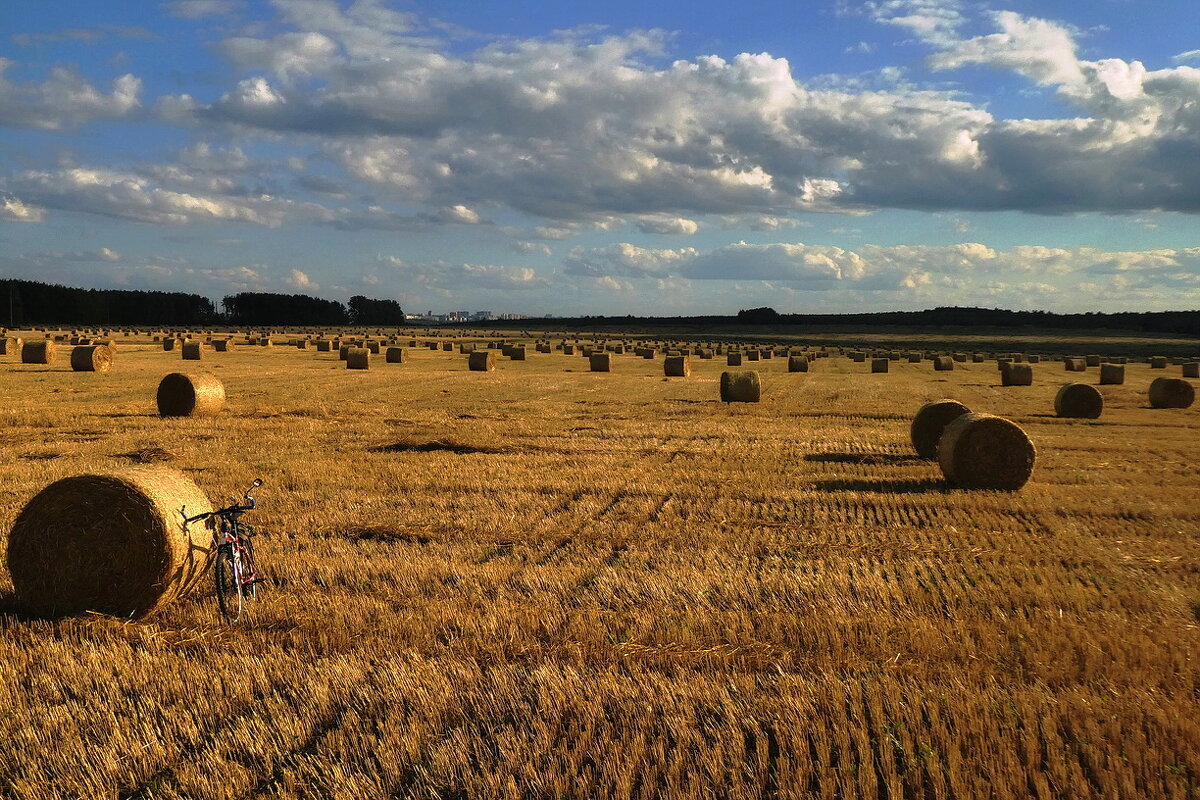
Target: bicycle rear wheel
{"points": [[227, 572], [249, 569]]}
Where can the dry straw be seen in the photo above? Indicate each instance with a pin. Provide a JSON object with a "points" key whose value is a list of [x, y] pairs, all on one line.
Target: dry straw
{"points": [[929, 423], [601, 362], [741, 387], [980, 451], [91, 358], [181, 395], [1171, 393], [1016, 375], [879, 364], [943, 363], [43, 351], [358, 358], [192, 351], [111, 543], [733, 359], [1112, 374], [677, 366], [482, 361], [394, 355], [797, 364], [222, 345], [10, 345], [1191, 369], [1079, 401]]}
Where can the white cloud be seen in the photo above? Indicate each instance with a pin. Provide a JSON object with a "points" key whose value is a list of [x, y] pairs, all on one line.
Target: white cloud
{"points": [[443, 275], [64, 100], [675, 226], [13, 209], [199, 9], [531, 248], [1190, 55], [300, 280]]}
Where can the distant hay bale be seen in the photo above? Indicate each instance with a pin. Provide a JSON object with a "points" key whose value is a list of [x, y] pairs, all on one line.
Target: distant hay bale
{"points": [[448, 347], [733, 359], [751, 355], [879, 364], [1171, 393], [978, 358], [91, 358], [677, 366], [358, 358], [569, 349], [517, 353], [110, 543], [943, 364], [222, 345], [11, 345], [324, 346], [601, 362], [1112, 374], [1075, 364], [1191, 369], [192, 351], [183, 395], [481, 361], [1092, 360], [169, 343], [797, 364], [302, 344], [42, 351], [344, 350], [706, 353], [1034, 359], [1079, 401], [1158, 362], [394, 355], [741, 387], [980, 451], [1017, 375], [929, 423]]}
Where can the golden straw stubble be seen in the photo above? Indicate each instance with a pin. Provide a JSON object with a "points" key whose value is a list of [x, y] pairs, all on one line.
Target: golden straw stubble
{"points": [[113, 543], [981, 451]]}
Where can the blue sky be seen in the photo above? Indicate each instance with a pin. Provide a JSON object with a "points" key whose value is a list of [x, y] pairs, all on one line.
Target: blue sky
{"points": [[609, 158]]}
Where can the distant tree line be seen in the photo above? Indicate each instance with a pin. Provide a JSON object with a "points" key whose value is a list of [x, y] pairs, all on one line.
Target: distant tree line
{"points": [[26, 303], [1185, 322]]}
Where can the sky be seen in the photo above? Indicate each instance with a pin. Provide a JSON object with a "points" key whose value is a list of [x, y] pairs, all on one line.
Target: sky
{"points": [[624, 157]]}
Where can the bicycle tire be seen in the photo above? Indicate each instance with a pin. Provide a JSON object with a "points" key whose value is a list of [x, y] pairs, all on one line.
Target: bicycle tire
{"points": [[249, 569], [227, 575]]}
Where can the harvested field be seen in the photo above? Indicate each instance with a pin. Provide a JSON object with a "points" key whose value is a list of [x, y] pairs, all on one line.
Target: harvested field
{"points": [[555, 583]]}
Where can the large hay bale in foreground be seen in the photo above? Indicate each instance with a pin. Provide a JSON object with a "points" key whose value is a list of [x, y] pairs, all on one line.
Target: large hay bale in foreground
{"points": [[113, 543], [741, 387], [1079, 401], [980, 451], [930, 422], [91, 358], [42, 351], [1171, 393], [181, 395], [600, 362], [358, 358], [482, 361], [677, 366], [797, 364], [1112, 374]]}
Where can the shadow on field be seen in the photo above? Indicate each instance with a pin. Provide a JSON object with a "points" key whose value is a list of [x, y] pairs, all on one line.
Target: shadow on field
{"points": [[442, 446], [918, 486], [862, 458]]}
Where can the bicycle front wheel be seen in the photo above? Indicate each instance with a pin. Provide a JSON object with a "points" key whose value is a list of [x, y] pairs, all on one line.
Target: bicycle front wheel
{"points": [[227, 572]]}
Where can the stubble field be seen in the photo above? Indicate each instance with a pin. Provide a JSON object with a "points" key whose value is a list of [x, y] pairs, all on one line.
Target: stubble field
{"points": [[545, 582]]}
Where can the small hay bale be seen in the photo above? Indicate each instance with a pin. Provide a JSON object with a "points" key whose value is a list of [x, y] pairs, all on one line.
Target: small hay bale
{"points": [[1079, 401], [1075, 364], [1171, 393], [394, 355], [481, 361], [517, 353], [741, 387], [929, 423], [981, 451], [568, 349], [879, 364], [733, 359], [1191, 369], [324, 346], [358, 358], [344, 350], [601, 362], [182, 395], [1158, 362], [677, 366], [222, 345], [192, 351], [751, 355], [1092, 360], [1112, 374], [797, 364], [169, 343], [42, 351], [110, 543], [1017, 375], [943, 364], [91, 358], [10, 345]]}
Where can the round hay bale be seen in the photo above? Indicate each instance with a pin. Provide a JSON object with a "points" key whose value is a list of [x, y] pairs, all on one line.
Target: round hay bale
{"points": [[192, 351], [677, 366], [1017, 375], [1112, 374], [879, 364], [91, 358], [741, 387], [393, 355], [929, 423], [112, 543], [1158, 362], [358, 358], [943, 363], [169, 343], [751, 355], [733, 359], [981, 451], [11, 345], [323, 345], [181, 395], [42, 351], [222, 345], [481, 361], [797, 364], [1191, 369], [1079, 401], [517, 353], [600, 362], [1171, 393]]}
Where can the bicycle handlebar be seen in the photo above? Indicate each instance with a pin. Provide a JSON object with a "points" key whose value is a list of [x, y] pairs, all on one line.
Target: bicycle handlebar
{"points": [[250, 505]]}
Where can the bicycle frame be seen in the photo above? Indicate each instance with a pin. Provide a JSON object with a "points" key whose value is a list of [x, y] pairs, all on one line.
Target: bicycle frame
{"points": [[233, 552]]}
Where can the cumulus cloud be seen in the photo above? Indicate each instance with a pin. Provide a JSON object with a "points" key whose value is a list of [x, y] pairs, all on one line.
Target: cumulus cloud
{"points": [[14, 210], [300, 280], [676, 226], [443, 275], [531, 248], [64, 100]]}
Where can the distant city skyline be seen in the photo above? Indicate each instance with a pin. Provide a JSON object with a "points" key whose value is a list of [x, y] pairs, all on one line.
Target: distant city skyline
{"points": [[675, 158]]}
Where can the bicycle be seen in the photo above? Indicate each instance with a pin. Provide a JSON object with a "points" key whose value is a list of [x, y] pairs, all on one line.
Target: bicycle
{"points": [[234, 570]]}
